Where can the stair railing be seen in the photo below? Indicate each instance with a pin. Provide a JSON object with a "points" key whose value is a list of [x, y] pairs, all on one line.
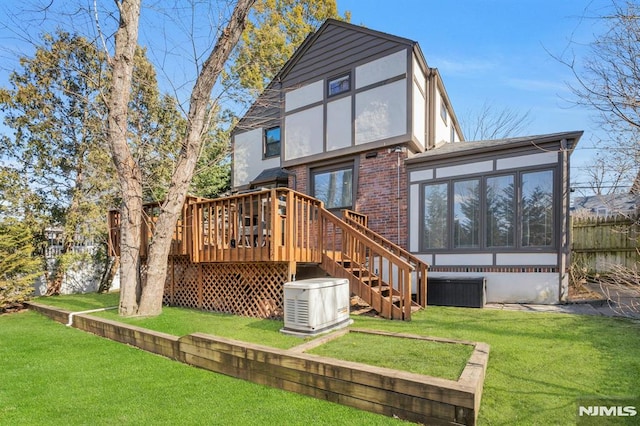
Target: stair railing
{"points": [[343, 243], [419, 276]]}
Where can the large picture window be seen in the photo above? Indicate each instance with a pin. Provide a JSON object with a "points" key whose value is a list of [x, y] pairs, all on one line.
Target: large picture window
{"points": [[334, 187], [505, 211]]}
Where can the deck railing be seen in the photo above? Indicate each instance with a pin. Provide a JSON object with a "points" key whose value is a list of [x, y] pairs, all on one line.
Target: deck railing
{"points": [[265, 225]]}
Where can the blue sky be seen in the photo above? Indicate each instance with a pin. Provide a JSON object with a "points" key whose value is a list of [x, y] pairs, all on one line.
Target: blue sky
{"points": [[500, 51], [496, 51]]}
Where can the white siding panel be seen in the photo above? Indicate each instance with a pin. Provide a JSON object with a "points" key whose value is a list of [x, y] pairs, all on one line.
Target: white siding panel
{"points": [[419, 76], [542, 288], [247, 157], [305, 95], [443, 133], [464, 169], [419, 106], [426, 258], [464, 259], [381, 69], [304, 133], [414, 218], [381, 112], [526, 259], [339, 124], [527, 160], [419, 175]]}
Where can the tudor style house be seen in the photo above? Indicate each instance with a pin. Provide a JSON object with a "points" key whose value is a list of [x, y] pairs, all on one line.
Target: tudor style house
{"points": [[357, 119]]}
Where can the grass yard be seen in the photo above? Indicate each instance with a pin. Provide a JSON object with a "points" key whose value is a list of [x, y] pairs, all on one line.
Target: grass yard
{"points": [[438, 359], [540, 364], [51, 374]]}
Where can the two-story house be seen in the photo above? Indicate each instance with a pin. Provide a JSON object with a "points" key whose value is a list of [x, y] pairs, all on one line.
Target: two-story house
{"points": [[357, 119]]}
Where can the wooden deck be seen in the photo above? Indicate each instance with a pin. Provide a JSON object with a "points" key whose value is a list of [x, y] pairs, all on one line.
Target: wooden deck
{"points": [[279, 227]]}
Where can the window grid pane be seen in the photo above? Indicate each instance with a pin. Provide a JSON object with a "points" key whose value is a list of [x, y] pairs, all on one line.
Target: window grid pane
{"points": [[466, 214], [537, 209], [436, 211], [500, 212]]}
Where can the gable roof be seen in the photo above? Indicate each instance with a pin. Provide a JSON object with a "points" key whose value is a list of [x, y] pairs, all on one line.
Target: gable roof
{"points": [[327, 26], [458, 149]]}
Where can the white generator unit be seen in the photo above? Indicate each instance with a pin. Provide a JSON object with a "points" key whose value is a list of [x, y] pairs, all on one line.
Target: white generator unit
{"points": [[316, 305]]}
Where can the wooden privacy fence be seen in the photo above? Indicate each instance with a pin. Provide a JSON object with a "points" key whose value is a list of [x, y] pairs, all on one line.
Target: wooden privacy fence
{"points": [[599, 242]]}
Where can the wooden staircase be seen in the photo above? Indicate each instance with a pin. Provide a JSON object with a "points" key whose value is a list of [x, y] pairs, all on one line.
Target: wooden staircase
{"points": [[378, 276]]}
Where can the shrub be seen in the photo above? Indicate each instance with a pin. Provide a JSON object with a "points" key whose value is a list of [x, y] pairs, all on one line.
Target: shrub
{"points": [[18, 265]]}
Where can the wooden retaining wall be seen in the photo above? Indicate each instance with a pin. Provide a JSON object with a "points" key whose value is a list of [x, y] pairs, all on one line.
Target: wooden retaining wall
{"points": [[409, 396]]}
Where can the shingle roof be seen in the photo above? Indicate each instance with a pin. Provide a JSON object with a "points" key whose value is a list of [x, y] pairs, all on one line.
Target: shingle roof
{"points": [[458, 148], [270, 175]]}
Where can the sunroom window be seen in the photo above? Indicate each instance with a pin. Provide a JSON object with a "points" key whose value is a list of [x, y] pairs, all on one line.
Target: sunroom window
{"points": [[537, 209]]}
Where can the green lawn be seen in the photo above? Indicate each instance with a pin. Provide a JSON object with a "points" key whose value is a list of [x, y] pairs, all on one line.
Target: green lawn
{"points": [[540, 364], [438, 359], [51, 374]]}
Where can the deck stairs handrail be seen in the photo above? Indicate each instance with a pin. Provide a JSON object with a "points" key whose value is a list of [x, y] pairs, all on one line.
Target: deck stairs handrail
{"points": [[379, 277], [419, 276]]}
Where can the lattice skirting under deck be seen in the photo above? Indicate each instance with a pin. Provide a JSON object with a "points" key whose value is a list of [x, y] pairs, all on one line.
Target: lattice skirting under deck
{"points": [[253, 289]]}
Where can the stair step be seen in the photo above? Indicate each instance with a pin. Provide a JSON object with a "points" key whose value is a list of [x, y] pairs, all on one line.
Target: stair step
{"points": [[380, 288]]}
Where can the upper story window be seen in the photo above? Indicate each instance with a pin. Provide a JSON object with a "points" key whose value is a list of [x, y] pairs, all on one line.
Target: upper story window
{"points": [[272, 142], [443, 111], [339, 85]]}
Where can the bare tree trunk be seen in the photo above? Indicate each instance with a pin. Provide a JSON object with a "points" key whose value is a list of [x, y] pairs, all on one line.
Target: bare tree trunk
{"points": [[128, 170], [198, 121], [136, 297]]}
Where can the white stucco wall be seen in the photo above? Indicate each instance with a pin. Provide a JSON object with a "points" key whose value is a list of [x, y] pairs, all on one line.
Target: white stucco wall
{"points": [[540, 288], [304, 133], [381, 69], [419, 103], [305, 95], [247, 157], [339, 123], [381, 112], [442, 130]]}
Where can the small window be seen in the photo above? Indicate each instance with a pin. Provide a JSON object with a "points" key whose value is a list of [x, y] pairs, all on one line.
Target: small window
{"points": [[272, 142], [339, 85], [443, 111]]}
